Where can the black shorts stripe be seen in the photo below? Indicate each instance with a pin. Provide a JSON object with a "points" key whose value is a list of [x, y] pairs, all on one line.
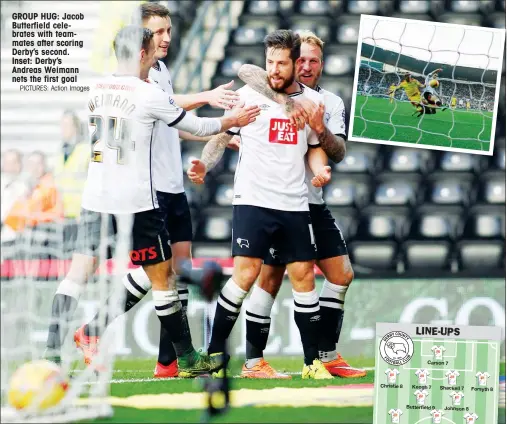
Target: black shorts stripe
{"points": [[314, 146], [183, 291], [256, 316], [135, 285], [229, 302], [300, 305], [164, 307], [331, 299]]}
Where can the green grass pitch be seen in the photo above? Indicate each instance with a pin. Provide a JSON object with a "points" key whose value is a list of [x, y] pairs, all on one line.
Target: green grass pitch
{"points": [[134, 377], [377, 119]]}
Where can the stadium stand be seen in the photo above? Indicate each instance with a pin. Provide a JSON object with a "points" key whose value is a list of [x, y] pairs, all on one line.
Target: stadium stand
{"points": [[404, 211]]}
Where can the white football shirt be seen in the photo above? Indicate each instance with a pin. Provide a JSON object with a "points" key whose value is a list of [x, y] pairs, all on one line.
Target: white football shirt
{"points": [[482, 378], [166, 162], [420, 396], [438, 351], [436, 415], [395, 415], [470, 417], [456, 398], [271, 165], [391, 374], [334, 118], [422, 375], [122, 115], [451, 376]]}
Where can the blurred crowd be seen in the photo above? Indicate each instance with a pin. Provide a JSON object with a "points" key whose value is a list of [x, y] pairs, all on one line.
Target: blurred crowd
{"points": [[376, 83], [41, 195]]}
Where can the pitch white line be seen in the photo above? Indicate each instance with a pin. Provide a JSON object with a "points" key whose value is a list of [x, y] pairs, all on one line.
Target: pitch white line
{"points": [[151, 379]]}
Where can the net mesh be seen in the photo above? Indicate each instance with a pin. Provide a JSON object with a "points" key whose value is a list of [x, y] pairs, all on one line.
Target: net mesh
{"points": [[466, 87], [38, 258]]}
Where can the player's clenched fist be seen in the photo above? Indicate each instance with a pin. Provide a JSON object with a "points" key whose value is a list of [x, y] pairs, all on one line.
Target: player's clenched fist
{"points": [[197, 171], [322, 178]]}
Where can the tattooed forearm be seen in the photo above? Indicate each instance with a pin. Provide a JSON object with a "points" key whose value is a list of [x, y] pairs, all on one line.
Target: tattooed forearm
{"points": [[333, 145], [257, 78], [214, 150]]}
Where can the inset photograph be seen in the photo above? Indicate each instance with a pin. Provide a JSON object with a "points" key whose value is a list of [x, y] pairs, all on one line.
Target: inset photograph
{"points": [[426, 84]]}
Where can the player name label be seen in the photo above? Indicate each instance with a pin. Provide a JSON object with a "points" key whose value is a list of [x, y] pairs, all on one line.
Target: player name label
{"points": [[391, 386]]}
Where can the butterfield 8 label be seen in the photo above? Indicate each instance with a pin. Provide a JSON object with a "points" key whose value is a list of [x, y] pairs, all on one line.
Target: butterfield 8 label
{"points": [[436, 374]]}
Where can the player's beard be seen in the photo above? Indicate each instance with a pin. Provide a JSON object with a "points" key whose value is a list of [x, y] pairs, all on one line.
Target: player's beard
{"points": [[280, 86]]}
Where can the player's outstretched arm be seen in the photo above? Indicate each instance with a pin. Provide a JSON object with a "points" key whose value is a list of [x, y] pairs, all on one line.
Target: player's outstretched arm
{"points": [[317, 161], [233, 144], [211, 155], [221, 97], [257, 78]]}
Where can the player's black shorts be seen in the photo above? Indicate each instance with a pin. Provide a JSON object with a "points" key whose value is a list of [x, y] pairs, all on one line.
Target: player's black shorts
{"points": [[328, 237], [176, 215], [256, 230], [149, 243]]}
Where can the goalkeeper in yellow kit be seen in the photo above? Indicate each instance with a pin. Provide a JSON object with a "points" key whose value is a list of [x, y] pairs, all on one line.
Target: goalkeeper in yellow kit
{"points": [[411, 87], [391, 92]]}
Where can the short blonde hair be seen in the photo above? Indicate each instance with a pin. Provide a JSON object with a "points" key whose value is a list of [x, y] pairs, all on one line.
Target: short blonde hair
{"points": [[311, 38]]}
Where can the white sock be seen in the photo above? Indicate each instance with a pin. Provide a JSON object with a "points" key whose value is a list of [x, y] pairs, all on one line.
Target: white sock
{"points": [[70, 288], [250, 363], [260, 302], [234, 294]]}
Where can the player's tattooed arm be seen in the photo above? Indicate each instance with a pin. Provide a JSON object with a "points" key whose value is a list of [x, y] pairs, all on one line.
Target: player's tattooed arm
{"points": [[257, 78], [214, 150], [333, 145]]}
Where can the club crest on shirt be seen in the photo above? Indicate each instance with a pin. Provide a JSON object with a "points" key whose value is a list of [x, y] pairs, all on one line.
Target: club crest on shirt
{"points": [[327, 117], [264, 107], [281, 131]]}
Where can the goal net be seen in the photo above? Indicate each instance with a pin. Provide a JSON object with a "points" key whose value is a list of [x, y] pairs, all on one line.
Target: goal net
{"points": [[37, 253], [462, 64]]}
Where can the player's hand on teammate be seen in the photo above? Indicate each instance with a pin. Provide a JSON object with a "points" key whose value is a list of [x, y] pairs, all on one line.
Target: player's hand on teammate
{"points": [[196, 172], [316, 118], [234, 143], [244, 115], [322, 178], [298, 111], [222, 97]]}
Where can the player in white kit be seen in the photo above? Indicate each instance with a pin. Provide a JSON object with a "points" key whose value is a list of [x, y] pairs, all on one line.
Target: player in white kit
{"points": [[436, 415], [332, 254], [452, 375], [123, 111], [470, 418], [168, 170], [421, 396], [456, 398], [271, 200], [391, 374], [395, 415], [422, 375], [482, 378]]}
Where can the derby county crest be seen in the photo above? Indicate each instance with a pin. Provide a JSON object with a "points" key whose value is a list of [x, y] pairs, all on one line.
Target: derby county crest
{"points": [[396, 348]]}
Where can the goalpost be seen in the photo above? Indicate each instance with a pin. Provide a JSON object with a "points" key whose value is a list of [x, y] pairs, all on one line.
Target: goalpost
{"points": [[35, 263], [386, 56]]}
